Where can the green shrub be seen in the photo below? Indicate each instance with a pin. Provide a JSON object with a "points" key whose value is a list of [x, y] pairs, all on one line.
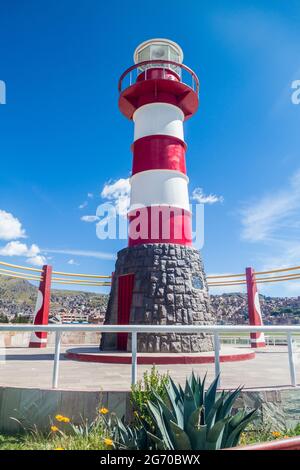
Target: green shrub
{"points": [[145, 390]]}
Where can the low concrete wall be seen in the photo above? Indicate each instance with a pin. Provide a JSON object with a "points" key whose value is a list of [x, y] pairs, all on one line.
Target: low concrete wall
{"points": [[19, 339], [278, 407], [38, 407]]}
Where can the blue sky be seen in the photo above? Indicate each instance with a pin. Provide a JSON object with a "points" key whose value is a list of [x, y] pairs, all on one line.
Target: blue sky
{"points": [[62, 137]]}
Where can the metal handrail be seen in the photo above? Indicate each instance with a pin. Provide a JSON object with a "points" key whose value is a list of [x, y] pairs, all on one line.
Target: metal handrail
{"points": [[215, 330], [20, 267], [293, 443], [160, 62], [98, 276]]}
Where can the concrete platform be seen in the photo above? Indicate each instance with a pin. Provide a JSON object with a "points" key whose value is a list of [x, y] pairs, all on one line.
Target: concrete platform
{"points": [[92, 354], [23, 367], [26, 394]]}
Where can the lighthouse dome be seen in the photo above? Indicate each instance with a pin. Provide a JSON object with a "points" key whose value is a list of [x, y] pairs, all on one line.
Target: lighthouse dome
{"points": [[158, 49]]}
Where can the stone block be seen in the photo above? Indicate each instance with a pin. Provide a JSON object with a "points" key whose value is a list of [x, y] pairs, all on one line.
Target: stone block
{"points": [[175, 347]]}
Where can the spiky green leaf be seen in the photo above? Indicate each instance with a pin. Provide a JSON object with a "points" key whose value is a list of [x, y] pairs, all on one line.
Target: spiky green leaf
{"points": [[182, 441]]}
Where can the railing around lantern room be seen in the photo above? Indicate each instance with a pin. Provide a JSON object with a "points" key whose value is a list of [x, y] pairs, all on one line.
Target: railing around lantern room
{"points": [[186, 75]]}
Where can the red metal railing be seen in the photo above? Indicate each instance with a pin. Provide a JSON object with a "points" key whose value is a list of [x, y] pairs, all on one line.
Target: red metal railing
{"points": [[292, 443], [195, 81]]}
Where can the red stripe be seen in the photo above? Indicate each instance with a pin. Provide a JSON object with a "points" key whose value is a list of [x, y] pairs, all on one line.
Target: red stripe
{"points": [[155, 152], [158, 91], [258, 345], [255, 335], [160, 224], [34, 344]]}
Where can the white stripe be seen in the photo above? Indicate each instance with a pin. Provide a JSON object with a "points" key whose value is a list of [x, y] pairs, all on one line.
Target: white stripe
{"points": [[260, 339], [35, 339], [158, 118], [159, 187]]}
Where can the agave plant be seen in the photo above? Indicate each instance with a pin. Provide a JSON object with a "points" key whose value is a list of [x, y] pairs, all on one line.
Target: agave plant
{"points": [[128, 436], [194, 418]]}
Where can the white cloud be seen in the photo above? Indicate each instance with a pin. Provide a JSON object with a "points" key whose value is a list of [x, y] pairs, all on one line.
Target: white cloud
{"points": [[14, 248], [199, 196], [10, 227], [88, 253], [37, 260], [89, 218], [72, 262], [119, 193], [273, 222], [32, 253], [86, 203], [116, 189], [279, 210]]}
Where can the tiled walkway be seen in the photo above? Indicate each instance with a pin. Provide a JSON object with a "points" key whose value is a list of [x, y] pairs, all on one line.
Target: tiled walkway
{"points": [[21, 367]]}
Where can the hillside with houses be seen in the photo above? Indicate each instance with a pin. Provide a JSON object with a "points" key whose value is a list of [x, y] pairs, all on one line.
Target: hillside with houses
{"points": [[17, 301]]}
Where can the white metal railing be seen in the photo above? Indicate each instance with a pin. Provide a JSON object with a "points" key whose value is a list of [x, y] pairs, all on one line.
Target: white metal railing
{"points": [[216, 331], [246, 340]]}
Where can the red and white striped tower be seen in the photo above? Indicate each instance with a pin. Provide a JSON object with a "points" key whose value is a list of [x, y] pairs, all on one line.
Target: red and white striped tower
{"points": [[159, 278], [41, 312], [158, 103], [254, 311]]}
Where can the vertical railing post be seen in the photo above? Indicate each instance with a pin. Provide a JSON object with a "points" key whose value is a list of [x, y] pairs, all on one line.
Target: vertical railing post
{"points": [[133, 357], [38, 339], [291, 360], [257, 339], [217, 357], [56, 359]]}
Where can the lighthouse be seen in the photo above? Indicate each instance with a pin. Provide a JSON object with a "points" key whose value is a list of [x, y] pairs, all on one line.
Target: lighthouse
{"points": [[159, 277]]}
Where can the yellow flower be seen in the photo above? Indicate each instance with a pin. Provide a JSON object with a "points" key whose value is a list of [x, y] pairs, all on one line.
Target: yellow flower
{"points": [[286, 437], [59, 448], [54, 428], [103, 411], [65, 419], [108, 441], [276, 434], [62, 419]]}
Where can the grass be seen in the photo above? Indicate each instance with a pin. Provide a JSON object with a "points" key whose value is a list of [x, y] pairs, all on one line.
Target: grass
{"points": [[32, 442], [95, 439], [62, 435]]}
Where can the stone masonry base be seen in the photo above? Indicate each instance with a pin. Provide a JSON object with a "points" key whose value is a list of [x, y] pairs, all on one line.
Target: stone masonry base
{"points": [[169, 289]]}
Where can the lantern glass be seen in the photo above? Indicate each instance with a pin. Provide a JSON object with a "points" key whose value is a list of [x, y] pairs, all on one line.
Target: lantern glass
{"points": [[159, 49]]}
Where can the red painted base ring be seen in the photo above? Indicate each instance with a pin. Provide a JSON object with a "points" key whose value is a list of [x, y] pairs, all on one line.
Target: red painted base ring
{"points": [[117, 358]]}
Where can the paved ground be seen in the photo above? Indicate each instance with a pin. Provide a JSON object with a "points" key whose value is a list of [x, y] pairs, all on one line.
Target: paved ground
{"points": [[21, 367]]}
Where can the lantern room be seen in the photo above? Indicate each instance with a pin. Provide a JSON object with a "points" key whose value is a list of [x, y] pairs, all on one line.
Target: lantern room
{"points": [[158, 75], [159, 49]]}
